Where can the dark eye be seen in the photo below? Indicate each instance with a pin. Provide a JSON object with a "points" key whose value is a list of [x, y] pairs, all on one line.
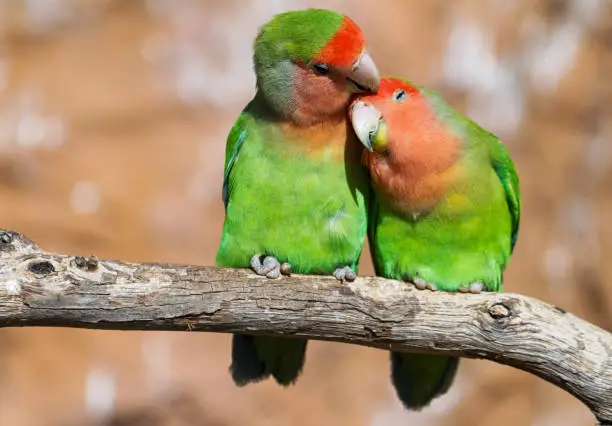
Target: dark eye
{"points": [[321, 69], [399, 95]]}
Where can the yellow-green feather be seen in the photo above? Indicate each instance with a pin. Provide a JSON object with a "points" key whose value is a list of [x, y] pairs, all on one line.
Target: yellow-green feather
{"points": [[308, 210]]}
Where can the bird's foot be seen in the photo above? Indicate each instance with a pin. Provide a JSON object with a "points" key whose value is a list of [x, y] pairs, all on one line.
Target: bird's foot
{"points": [[345, 274], [473, 288], [269, 266], [421, 284]]}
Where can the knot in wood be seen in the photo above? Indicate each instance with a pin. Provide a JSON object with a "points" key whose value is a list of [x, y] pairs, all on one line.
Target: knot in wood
{"points": [[499, 310], [88, 264], [5, 238], [15, 244], [80, 262], [41, 267]]}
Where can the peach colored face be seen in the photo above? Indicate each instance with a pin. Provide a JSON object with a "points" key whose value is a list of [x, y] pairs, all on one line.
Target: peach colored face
{"points": [[409, 149], [371, 113], [343, 67]]}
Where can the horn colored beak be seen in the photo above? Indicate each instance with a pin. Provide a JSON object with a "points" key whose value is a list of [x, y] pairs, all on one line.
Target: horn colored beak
{"points": [[366, 121], [364, 77]]}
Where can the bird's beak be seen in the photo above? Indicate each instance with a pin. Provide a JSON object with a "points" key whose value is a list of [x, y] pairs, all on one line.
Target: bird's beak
{"points": [[366, 121], [364, 76]]}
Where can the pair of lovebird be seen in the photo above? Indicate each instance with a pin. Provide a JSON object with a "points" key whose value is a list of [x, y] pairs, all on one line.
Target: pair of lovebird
{"points": [[437, 195]]}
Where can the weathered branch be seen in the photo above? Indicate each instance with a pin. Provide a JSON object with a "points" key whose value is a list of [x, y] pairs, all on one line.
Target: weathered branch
{"points": [[47, 289]]}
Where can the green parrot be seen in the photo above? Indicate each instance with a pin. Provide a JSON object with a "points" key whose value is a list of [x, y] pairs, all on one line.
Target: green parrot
{"points": [[294, 188], [445, 211]]}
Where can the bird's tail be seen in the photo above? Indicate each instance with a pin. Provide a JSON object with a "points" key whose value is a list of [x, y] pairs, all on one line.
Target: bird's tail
{"points": [[418, 379], [255, 358]]}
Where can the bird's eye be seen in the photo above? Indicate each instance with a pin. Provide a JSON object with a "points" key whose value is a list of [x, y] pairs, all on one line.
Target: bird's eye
{"points": [[399, 95], [321, 69]]}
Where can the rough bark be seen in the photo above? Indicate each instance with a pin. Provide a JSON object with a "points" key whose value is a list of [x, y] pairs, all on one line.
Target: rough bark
{"points": [[48, 289]]}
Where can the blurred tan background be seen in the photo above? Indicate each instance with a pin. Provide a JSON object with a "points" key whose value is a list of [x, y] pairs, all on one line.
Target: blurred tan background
{"points": [[113, 117]]}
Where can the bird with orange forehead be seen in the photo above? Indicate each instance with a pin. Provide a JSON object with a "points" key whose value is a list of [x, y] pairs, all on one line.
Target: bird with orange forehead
{"points": [[446, 210], [294, 188]]}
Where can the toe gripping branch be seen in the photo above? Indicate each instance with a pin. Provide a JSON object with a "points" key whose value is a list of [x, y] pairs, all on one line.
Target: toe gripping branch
{"points": [[269, 266]]}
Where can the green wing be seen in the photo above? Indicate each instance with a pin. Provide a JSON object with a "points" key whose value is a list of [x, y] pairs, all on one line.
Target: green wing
{"points": [[235, 140], [504, 168], [500, 158]]}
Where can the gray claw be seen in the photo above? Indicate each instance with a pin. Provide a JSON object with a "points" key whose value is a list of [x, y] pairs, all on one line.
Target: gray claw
{"points": [[273, 274], [270, 262], [476, 287], [419, 283], [432, 287], [270, 267], [345, 274], [473, 288], [350, 275], [286, 269], [256, 264]]}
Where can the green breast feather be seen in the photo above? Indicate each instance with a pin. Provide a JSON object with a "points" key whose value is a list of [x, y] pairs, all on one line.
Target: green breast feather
{"points": [[303, 208]]}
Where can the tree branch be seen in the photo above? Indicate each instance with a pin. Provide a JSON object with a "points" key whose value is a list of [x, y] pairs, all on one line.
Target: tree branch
{"points": [[48, 289]]}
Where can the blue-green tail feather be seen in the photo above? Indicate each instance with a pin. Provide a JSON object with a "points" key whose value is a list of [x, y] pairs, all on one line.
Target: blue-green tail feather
{"points": [[255, 358], [418, 379]]}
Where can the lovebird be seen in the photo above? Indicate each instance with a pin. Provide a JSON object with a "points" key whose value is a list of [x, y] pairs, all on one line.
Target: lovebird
{"points": [[445, 212], [294, 188]]}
